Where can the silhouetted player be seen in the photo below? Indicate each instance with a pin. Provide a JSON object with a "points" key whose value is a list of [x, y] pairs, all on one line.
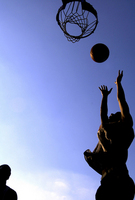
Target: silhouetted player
{"points": [[6, 193], [110, 155]]}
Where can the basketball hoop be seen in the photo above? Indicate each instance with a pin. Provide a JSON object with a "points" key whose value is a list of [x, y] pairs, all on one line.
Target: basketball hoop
{"points": [[80, 13]]}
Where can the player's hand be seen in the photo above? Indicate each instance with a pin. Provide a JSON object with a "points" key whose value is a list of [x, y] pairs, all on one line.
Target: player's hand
{"points": [[104, 90], [119, 77]]}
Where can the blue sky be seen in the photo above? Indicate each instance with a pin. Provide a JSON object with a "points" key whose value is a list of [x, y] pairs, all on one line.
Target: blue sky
{"points": [[49, 96]]}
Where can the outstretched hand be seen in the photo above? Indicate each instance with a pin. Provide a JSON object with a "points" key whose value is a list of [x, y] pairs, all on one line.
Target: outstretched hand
{"points": [[104, 90], [119, 77]]}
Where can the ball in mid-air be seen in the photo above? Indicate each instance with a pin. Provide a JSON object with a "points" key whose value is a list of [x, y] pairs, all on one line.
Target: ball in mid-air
{"points": [[99, 53]]}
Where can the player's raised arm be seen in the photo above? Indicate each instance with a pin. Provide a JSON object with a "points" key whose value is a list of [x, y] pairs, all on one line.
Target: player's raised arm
{"points": [[104, 107], [124, 109]]}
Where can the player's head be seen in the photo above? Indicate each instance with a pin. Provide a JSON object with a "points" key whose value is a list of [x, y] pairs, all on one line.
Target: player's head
{"points": [[115, 117], [5, 172]]}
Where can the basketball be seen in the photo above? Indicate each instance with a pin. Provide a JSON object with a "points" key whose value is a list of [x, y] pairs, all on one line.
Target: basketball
{"points": [[99, 53]]}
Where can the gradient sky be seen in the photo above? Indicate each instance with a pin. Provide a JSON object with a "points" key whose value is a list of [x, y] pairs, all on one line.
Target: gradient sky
{"points": [[49, 96]]}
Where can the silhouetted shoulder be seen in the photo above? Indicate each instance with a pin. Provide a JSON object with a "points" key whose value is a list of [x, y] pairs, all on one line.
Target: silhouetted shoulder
{"points": [[10, 194]]}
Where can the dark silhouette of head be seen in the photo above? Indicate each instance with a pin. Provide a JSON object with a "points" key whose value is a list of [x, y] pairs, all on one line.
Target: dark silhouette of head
{"points": [[115, 117], [5, 172]]}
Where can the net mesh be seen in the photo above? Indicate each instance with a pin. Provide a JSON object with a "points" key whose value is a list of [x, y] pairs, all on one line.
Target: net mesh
{"points": [[73, 13]]}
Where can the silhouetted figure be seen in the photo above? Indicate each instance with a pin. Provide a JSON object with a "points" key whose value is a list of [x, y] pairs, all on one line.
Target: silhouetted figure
{"points": [[109, 158], [6, 193]]}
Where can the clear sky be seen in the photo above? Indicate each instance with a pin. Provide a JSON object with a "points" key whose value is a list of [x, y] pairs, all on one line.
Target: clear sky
{"points": [[49, 96]]}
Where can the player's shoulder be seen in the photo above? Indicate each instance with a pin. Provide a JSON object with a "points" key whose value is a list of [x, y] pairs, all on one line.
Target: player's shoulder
{"points": [[10, 193], [127, 120]]}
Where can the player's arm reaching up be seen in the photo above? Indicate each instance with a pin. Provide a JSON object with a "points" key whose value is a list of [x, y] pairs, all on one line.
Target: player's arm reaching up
{"points": [[104, 107], [124, 109]]}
